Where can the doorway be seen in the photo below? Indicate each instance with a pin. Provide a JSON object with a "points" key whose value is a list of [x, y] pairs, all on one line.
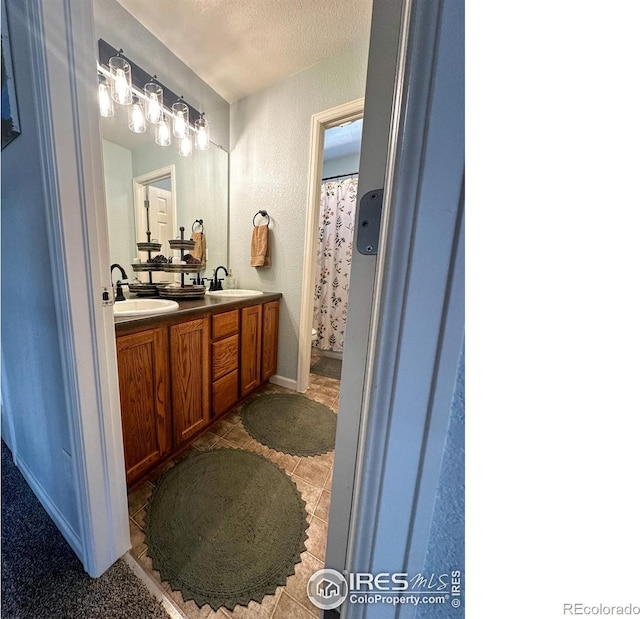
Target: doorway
{"points": [[334, 246], [155, 211], [328, 129]]}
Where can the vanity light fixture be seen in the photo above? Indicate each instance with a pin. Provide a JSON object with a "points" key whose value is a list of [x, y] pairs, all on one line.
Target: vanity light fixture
{"points": [[163, 132], [202, 133], [153, 102], [120, 71], [137, 123], [105, 102], [148, 100]]}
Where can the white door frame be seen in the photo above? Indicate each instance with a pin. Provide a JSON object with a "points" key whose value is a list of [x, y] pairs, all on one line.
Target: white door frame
{"points": [[319, 124], [417, 324], [63, 56], [139, 196]]}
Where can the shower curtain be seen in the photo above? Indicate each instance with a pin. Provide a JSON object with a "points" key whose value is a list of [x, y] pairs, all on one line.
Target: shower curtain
{"points": [[333, 262]]}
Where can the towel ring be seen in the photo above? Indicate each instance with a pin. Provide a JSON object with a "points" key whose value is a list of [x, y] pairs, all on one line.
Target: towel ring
{"points": [[197, 222], [264, 214]]}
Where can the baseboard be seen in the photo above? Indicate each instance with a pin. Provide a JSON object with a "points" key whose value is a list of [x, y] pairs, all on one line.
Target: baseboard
{"points": [[54, 513], [289, 383], [327, 353], [156, 591]]}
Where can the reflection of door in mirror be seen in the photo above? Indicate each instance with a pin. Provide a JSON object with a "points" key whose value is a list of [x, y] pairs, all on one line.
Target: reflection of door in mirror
{"points": [[155, 213], [161, 222]]}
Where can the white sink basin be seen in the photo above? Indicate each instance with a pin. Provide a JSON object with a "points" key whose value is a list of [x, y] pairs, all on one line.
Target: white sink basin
{"points": [[143, 307], [235, 293]]}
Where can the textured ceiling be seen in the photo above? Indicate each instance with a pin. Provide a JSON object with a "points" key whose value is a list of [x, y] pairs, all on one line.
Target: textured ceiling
{"points": [[239, 47]]}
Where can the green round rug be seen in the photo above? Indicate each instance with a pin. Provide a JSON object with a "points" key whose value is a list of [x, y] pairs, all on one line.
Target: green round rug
{"points": [[291, 423], [225, 527]]}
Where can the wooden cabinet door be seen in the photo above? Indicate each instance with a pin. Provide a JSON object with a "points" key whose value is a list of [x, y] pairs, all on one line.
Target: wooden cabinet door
{"points": [[270, 320], [190, 380], [143, 374], [251, 348]]}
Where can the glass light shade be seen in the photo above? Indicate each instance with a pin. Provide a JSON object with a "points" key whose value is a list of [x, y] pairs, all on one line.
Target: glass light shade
{"points": [[163, 133], [202, 133], [180, 119], [137, 123], [120, 71], [104, 98], [153, 102], [185, 147]]}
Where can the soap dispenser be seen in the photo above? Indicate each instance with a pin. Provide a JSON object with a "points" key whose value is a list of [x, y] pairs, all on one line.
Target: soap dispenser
{"points": [[231, 280]]}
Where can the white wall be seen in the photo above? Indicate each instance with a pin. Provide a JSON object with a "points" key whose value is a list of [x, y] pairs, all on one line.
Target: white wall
{"points": [[118, 175], [341, 165], [269, 160], [33, 400]]}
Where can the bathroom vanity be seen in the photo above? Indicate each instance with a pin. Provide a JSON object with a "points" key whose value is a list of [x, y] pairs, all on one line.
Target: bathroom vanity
{"points": [[181, 371]]}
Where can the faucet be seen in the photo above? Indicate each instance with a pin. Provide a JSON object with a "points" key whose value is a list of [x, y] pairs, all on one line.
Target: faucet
{"points": [[119, 293], [216, 284]]}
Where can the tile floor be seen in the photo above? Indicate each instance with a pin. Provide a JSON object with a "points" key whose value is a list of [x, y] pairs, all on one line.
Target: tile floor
{"points": [[312, 476]]}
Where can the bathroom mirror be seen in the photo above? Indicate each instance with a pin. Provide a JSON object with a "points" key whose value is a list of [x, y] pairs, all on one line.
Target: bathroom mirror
{"points": [[198, 190]]}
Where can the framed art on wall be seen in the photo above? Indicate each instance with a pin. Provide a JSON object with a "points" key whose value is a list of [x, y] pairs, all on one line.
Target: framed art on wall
{"points": [[10, 119]]}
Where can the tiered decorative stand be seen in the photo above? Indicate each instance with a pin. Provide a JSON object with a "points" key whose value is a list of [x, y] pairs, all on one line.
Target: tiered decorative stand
{"points": [[150, 288], [182, 291]]}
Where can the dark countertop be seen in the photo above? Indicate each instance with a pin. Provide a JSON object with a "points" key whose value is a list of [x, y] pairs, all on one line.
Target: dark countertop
{"points": [[189, 308]]}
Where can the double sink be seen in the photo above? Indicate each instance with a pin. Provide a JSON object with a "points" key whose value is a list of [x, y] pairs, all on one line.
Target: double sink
{"points": [[149, 307]]}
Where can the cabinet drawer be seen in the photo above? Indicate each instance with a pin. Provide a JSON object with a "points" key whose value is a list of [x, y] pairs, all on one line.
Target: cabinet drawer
{"points": [[225, 356], [224, 325], [225, 393]]}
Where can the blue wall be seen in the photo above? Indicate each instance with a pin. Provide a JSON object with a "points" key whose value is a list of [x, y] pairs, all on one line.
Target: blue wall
{"points": [[445, 552], [33, 398]]}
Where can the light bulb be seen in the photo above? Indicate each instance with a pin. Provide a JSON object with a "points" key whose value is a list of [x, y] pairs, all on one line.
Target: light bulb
{"points": [[185, 147], [104, 100], [120, 71], [202, 141], [122, 88], [153, 102], [179, 126], [180, 119], [137, 122], [154, 108], [202, 133], [163, 133]]}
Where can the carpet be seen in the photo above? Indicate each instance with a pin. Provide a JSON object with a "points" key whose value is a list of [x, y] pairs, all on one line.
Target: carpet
{"points": [[326, 366], [225, 527], [41, 575], [291, 423]]}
